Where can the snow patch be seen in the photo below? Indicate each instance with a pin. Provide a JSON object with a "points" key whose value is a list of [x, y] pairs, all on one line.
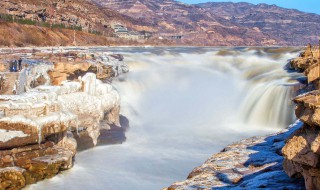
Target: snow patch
{"points": [[6, 135]]}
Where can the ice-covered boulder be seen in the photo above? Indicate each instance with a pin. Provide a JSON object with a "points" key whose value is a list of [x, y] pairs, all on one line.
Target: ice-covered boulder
{"points": [[41, 130]]}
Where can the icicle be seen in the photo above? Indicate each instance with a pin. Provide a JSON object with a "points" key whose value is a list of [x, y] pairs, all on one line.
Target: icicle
{"points": [[39, 127], [77, 127]]}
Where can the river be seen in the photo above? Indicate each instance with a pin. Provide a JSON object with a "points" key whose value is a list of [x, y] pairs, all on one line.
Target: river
{"points": [[184, 104]]}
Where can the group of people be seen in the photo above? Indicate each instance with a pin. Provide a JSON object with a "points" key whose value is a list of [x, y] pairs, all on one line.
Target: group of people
{"points": [[15, 65]]}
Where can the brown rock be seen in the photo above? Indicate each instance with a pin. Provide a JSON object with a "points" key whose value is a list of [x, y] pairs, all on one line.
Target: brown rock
{"points": [[12, 178], [302, 156], [307, 109], [30, 133], [38, 162], [72, 70], [113, 116], [303, 147], [292, 169]]}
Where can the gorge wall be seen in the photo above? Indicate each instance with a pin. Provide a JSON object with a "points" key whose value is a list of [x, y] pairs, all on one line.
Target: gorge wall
{"points": [[302, 149]]}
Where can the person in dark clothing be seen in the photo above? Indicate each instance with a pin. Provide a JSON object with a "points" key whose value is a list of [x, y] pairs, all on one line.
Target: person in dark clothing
{"points": [[20, 64], [15, 66], [11, 66]]}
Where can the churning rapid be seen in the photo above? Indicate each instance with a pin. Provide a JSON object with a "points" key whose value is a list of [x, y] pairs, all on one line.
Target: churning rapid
{"points": [[185, 104]]}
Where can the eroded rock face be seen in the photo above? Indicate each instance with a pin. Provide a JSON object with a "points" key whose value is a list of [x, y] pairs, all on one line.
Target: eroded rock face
{"points": [[302, 149], [38, 162], [302, 63], [12, 178], [249, 164], [104, 66], [307, 108], [62, 71], [306, 59], [302, 155]]}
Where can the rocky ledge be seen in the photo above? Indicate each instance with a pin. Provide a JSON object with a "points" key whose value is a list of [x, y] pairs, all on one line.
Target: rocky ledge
{"points": [[43, 125], [249, 164]]}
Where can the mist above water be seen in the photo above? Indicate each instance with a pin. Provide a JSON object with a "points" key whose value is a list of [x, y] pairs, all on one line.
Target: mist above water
{"points": [[185, 104]]}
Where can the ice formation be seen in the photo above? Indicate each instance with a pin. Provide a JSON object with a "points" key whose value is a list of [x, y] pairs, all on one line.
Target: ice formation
{"points": [[6, 135], [60, 105], [115, 61], [42, 125]]}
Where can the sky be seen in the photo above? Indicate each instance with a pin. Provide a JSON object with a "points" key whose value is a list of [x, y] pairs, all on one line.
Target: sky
{"points": [[310, 6]]}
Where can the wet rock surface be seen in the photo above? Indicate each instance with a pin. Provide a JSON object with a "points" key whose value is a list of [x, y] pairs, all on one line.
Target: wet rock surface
{"points": [[249, 164]]}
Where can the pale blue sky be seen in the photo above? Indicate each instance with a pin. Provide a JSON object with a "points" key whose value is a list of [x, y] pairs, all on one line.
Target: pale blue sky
{"points": [[311, 6]]}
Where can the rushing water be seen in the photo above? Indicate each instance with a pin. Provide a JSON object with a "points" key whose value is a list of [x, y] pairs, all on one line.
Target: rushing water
{"points": [[185, 104]]}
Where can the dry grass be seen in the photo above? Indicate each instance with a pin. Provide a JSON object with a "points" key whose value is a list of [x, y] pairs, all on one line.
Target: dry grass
{"points": [[13, 35], [18, 35]]}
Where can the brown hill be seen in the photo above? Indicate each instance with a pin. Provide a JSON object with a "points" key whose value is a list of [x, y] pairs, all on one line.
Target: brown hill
{"points": [[20, 35], [70, 13], [223, 23], [13, 34], [197, 26], [290, 26], [43, 23], [237, 24]]}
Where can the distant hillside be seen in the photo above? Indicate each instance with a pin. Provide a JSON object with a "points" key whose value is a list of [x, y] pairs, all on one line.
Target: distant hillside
{"points": [[289, 26], [223, 23], [81, 13], [226, 24], [13, 34], [21, 23]]}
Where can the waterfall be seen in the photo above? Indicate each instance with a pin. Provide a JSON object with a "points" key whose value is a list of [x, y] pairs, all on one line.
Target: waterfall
{"points": [[268, 105], [268, 95], [184, 104]]}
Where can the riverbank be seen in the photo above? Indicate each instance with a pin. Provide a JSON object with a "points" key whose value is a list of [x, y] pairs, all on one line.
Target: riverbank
{"points": [[52, 106]]}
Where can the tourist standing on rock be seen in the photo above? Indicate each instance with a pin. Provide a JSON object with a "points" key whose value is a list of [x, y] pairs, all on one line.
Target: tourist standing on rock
{"points": [[20, 64], [15, 66], [11, 66]]}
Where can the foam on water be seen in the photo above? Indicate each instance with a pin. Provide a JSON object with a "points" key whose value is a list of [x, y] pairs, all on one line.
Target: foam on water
{"points": [[183, 105]]}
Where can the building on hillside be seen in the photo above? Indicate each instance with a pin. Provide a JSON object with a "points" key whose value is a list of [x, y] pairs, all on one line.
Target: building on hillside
{"points": [[120, 31], [170, 36], [134, 35]]}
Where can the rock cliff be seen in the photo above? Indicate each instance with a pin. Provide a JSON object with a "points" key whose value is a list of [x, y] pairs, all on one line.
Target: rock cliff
{"points": [[302, 149]]}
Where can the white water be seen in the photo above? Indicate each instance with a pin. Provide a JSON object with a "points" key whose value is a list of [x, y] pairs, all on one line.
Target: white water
{"points": [[184, 104]]}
